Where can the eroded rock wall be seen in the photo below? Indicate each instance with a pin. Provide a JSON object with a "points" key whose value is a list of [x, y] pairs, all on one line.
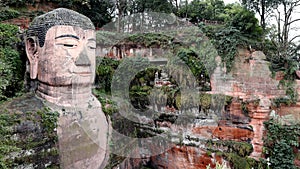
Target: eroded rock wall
{"points": [[251, 81], [234, 130]]}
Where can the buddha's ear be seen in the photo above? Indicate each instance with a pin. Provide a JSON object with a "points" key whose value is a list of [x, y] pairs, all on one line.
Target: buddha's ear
{"points": [[31, 45]]}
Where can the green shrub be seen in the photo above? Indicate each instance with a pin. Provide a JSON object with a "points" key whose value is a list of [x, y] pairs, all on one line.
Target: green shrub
{"points": [[7, 13], [195, 64], [205, 101], [237, 161], [109, 107], [6, 144], [241, 149], [11, 67], [279, 144], [104, 73]]}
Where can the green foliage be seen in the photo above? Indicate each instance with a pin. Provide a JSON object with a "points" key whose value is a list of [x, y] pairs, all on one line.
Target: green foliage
{"points": [[163, 6], [205, 101], [104, 73], [126, 71], [236, 153], [195, 63], [39, 138], [109, 107], [192, 48], [279, 143], [11, 68], [6, 144], [232, 15], [106, 38], [241, 149], [8, 35], [240, 29], [48, 119], [288, 62], [140, 88], [291, 94], [199, 10], [100, 12], [243, 20], [262, 7], [237, 161], [226, 40], [7, 13], [150, 39], [15, 3]]}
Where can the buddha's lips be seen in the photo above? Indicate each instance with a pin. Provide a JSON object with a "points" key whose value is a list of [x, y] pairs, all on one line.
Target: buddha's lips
{"points": [[84, 73]]}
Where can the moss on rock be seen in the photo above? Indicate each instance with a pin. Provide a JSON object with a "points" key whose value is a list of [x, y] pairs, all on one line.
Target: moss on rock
{"points": [[29, 134]]}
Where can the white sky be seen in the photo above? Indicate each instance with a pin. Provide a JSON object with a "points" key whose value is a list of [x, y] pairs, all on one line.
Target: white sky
{"points": [[230, 1], [293, 32], [295, 26]]}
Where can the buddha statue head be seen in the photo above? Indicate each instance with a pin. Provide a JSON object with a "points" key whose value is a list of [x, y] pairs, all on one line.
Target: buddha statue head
{"points": [[60, 47]]}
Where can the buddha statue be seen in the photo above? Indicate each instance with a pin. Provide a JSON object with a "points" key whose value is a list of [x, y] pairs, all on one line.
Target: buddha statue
{"points": [[60, 47]]}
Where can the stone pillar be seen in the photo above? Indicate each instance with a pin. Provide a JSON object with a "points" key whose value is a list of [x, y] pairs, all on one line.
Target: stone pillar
{"points": [[235, 111], [259, 114]]}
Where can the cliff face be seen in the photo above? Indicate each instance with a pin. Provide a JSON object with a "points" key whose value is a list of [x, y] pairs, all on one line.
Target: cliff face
{"points": [[32, 10], [231, 133], [185, 157], [251, 82]]}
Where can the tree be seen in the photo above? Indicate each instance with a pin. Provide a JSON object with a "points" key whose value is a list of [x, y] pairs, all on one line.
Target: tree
{"points": [[176, 4], [286, 56], [99, 11], [285, 22], [243, 20], [7, 13], [199, 10], [121, 6], [15, 3], [262, 7], [155, 6], [11, 67]]}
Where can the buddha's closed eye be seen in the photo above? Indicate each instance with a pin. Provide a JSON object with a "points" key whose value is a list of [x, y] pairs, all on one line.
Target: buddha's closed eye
{"points": [[69, 45], [67, 41]]}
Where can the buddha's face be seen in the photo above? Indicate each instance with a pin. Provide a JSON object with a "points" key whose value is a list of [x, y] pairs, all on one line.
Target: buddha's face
{"points": [[67, 57]]}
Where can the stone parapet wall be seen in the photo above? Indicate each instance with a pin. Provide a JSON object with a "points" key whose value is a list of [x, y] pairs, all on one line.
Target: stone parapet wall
{"points": [[250, 78], [251, 81]]}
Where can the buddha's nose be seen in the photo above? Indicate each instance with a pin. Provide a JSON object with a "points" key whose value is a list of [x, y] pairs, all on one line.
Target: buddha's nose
{"points": [[83, 59]]}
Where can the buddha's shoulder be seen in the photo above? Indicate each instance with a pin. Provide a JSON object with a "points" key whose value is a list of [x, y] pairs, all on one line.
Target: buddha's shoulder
{"points": [[32, 132], [26, 103]]}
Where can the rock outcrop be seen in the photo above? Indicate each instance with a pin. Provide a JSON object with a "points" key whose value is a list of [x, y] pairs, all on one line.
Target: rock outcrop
{"points": [[33, 139], [230, 130]]}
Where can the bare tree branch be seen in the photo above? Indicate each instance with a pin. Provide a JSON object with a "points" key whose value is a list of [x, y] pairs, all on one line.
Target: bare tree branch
{"points": [[296, 20], [295, 37]]}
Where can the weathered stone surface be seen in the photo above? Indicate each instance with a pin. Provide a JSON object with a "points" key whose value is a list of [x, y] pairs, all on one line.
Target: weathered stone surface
{"points": [[238, 124], [258, 55], [40, 25], [34, 133], [184, 157], [60, 47], [232, 133], [249, 79], [223, 133], [82, 135], [289, 114], [258, 116]]}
